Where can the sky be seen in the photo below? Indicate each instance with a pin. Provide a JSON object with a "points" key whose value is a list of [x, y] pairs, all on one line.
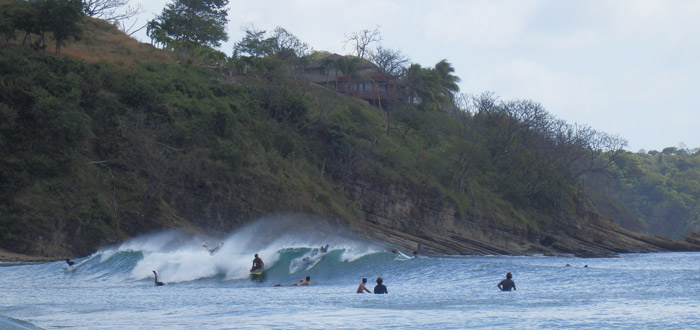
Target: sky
{"points": [[629, 68]]}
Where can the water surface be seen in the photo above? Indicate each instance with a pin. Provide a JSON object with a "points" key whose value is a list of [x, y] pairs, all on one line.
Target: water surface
{"points": [[114, 289]]}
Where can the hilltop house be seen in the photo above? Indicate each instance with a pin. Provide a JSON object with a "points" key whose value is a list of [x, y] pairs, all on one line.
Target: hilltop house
{"points": [[370, 84]]}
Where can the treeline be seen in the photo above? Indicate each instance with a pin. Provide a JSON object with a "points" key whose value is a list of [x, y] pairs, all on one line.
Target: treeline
{"points": [[659, 192]]}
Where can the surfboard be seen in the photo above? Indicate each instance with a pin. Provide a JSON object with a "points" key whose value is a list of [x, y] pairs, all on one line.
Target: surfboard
{"points": [[405, 256], [257, 272], [76, 265]]}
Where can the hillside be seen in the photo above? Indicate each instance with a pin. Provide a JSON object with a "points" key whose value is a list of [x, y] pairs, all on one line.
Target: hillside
{"points": [[112, 139], [657, 193]]}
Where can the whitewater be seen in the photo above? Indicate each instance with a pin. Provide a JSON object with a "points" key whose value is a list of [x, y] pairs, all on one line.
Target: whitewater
{"points": [[113, 288]]}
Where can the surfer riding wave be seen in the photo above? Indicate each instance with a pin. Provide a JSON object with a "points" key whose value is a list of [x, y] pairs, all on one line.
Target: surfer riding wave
{"points": [[258, 264]]}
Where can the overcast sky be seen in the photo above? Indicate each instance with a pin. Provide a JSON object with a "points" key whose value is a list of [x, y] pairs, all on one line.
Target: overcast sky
{"points": [[624, 67]]}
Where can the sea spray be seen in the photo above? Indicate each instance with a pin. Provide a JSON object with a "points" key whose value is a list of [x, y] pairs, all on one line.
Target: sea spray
{"points": [[179, 256]]}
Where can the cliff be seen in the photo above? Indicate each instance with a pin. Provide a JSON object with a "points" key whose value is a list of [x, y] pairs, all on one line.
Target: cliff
{"points": [[403, 218]]}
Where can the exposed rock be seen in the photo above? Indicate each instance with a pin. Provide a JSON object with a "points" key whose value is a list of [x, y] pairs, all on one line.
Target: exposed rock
{"points": [[403, 219], [693, 238]]}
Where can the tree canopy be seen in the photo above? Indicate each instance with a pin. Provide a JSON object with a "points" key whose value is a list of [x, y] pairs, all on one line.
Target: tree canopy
{"points": [[434, 87], [190, 23], [264, 53], [58, 18]]}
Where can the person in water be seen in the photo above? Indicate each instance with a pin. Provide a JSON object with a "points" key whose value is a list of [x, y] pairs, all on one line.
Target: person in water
{"points": [[156, 279], [324, 248], [258, 264], [70, 262], [362, 288], [507, 284], [305, 281], [380, 288], [213, 250], [301, 282]]}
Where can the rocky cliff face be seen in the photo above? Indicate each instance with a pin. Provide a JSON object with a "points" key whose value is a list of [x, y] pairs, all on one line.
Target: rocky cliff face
{"points": [[405, 219], [393, 215]]}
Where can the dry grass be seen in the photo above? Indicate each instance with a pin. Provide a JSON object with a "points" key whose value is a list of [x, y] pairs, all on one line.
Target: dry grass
{"points": [[102, 41]]}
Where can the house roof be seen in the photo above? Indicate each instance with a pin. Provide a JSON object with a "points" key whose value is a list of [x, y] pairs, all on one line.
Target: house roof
{"points": [[365, 65]]}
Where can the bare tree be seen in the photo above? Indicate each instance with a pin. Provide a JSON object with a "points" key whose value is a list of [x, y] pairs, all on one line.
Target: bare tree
{"points": [[132, 28], [391, 62], [111, 10], [604, 151], [287, 42], [361, 40]]}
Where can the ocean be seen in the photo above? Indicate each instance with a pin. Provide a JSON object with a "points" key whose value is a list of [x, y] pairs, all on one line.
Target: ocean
{"points": [[114, 288]]}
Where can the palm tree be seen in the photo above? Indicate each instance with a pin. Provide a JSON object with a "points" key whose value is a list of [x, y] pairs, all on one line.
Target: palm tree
{"points": [[420, 83], [447, 80], [434, 86]]}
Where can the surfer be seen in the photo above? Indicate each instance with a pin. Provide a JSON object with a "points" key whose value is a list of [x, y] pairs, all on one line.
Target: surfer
{"points": [[258, 264], [507, 284], [362, 288], [213, 250], [70, 262], [380, 288], [303, 282], [156, 279], [324, 248]]}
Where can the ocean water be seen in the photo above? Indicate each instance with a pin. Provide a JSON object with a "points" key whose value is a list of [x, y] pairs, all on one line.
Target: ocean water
{"points": [[114, 288]]}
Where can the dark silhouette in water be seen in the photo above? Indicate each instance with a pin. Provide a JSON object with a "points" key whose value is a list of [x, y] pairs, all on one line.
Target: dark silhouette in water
{"points": [[258, 264], [70, 262], [380, 288], [156, 279], [507, 284]]}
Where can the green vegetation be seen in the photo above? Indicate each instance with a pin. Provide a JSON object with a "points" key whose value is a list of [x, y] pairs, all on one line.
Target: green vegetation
{"points": [[93, 152], [657, 192], [190, 23], [99, 153], [58, 18]]}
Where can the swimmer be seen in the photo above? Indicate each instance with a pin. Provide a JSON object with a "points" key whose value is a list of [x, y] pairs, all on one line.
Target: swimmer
{"points": [[380, 288], [507, 284], [70, 262], [362, 288], [156, 279]]}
